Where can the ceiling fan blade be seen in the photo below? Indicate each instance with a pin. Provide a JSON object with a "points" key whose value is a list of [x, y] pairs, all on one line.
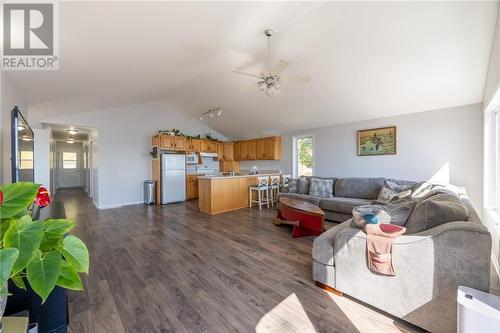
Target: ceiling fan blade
{"points": [[280, 67], [302, 79], [247, 74]]}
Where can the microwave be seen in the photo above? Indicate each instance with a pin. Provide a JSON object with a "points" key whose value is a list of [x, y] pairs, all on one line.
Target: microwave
{"points": [[192, 158]]}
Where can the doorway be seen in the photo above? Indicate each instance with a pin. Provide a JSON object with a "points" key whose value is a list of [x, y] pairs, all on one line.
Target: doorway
{"points": [[69, 168]]}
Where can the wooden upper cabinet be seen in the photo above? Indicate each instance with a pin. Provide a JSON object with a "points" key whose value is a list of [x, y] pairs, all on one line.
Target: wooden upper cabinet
{"points": [[252, 149], [237, 151], [228, 151], [269, 148], [259, 149], [220, 150], [180, 143], [208, 146], [248, 150], [193, 145], [167, 142]]}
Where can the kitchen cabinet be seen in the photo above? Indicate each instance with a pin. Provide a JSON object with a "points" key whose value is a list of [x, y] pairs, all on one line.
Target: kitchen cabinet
{"points": [[228, 151], [258, 149], [208, 146], [180, 143], [237, 151], [220, 151], [191, 187], [268, 148], [169, 142], [193, 145], [248, 150]]}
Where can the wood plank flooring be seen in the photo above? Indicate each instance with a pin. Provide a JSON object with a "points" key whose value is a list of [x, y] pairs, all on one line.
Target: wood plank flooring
{"points": [[174, 269]]}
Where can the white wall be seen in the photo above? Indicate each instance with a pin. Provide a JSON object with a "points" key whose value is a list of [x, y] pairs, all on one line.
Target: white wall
{"points": [[448, 140], [42, 156], [9, 97], [123, 144], [493, 74]]}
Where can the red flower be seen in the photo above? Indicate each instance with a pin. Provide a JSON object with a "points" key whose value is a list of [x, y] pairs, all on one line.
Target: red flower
{"points": [[42, 198], [1, 197]]}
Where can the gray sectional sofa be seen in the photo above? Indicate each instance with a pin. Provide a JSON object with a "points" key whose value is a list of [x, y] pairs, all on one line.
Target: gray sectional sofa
{"points": [[347, 193], [430, 263]]}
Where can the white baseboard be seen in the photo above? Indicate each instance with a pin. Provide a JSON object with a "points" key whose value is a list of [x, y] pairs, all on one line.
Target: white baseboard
{"points": [[102, 207]]}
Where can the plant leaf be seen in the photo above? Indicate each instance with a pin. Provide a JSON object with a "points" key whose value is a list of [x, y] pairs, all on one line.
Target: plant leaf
{"points": [[76, 253], [18, 281], [56, 228], [16, 197], [69, 278], [25, 236], [48, 244], [43, 272], [8, 257]]}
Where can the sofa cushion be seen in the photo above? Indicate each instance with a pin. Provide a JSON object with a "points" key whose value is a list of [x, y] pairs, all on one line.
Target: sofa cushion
{"points": [[303, 185], [292, 185], [298, 196], [387, 195], [333, 179], [341, 204], [361, 188], [321, 187], [436, 210], [400, 211]]}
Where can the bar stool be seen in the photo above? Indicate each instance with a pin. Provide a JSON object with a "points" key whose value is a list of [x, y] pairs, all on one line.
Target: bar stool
{"points": [[274, 187], [261, 188], [285, 182]]}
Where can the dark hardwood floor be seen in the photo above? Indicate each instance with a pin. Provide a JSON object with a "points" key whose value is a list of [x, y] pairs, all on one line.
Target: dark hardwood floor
{"points": [[174, 269]]}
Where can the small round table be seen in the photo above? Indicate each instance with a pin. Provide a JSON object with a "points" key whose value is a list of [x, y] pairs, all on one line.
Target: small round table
{"points": [[307, 218]]}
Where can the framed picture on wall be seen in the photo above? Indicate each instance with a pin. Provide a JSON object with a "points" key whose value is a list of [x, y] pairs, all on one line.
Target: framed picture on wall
{"points": [[377, 141]]}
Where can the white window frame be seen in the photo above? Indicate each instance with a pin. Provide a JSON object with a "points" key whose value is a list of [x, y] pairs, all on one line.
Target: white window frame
{"points": [[295, 157], [496, 146]]}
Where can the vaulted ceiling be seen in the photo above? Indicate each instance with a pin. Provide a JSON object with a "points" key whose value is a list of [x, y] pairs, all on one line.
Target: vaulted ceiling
{"points": [[366, 59]]}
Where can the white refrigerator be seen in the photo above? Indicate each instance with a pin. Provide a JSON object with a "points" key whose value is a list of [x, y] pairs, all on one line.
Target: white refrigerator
{"points": [[173, 178]]}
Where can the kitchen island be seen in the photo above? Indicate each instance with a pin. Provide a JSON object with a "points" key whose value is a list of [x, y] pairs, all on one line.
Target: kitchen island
{"points": [[219, 194]]}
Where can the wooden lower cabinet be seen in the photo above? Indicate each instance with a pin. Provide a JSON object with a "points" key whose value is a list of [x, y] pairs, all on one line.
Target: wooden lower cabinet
{"points": [[191, 187], [218, 195]]}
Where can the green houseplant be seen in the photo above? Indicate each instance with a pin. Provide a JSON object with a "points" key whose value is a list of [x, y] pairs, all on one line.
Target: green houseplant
{"points": [[37, 252]]}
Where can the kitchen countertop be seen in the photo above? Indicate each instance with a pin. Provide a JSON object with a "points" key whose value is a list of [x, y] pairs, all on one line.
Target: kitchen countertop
{"points": [[239, 175]]}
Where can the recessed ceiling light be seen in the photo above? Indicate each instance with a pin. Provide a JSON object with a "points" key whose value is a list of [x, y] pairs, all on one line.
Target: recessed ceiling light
{"points": [[72, 131]]}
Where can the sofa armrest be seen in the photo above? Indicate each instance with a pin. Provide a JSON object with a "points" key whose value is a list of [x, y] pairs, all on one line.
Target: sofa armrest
{"points": [[322, 250], [429, 267]]}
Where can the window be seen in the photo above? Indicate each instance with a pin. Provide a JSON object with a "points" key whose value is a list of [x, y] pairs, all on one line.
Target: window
{"points": [[26, 160], [303, 155], [69, 160]]}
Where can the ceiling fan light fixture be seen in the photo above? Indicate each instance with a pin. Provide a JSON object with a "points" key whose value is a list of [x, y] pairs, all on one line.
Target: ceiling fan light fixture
{"points": [[20, 127], [72, 131], [70, 140]]}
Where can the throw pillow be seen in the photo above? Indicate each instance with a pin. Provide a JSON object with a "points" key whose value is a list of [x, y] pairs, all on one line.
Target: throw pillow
{"points": [[303, 185], [400, 211], [387, 195], [436, 210], [321, 188], [397, 187], [292, 185]]}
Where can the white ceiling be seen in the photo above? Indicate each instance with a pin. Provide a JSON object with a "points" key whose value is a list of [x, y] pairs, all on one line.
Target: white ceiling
{"points": [[366, 59]]}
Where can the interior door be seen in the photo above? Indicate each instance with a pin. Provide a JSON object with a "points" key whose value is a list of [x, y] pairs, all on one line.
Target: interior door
{"points": [[69, 171]]}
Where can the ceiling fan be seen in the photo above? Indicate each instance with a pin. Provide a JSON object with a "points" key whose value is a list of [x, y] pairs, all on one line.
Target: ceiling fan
{"points": [[270, 81]]}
